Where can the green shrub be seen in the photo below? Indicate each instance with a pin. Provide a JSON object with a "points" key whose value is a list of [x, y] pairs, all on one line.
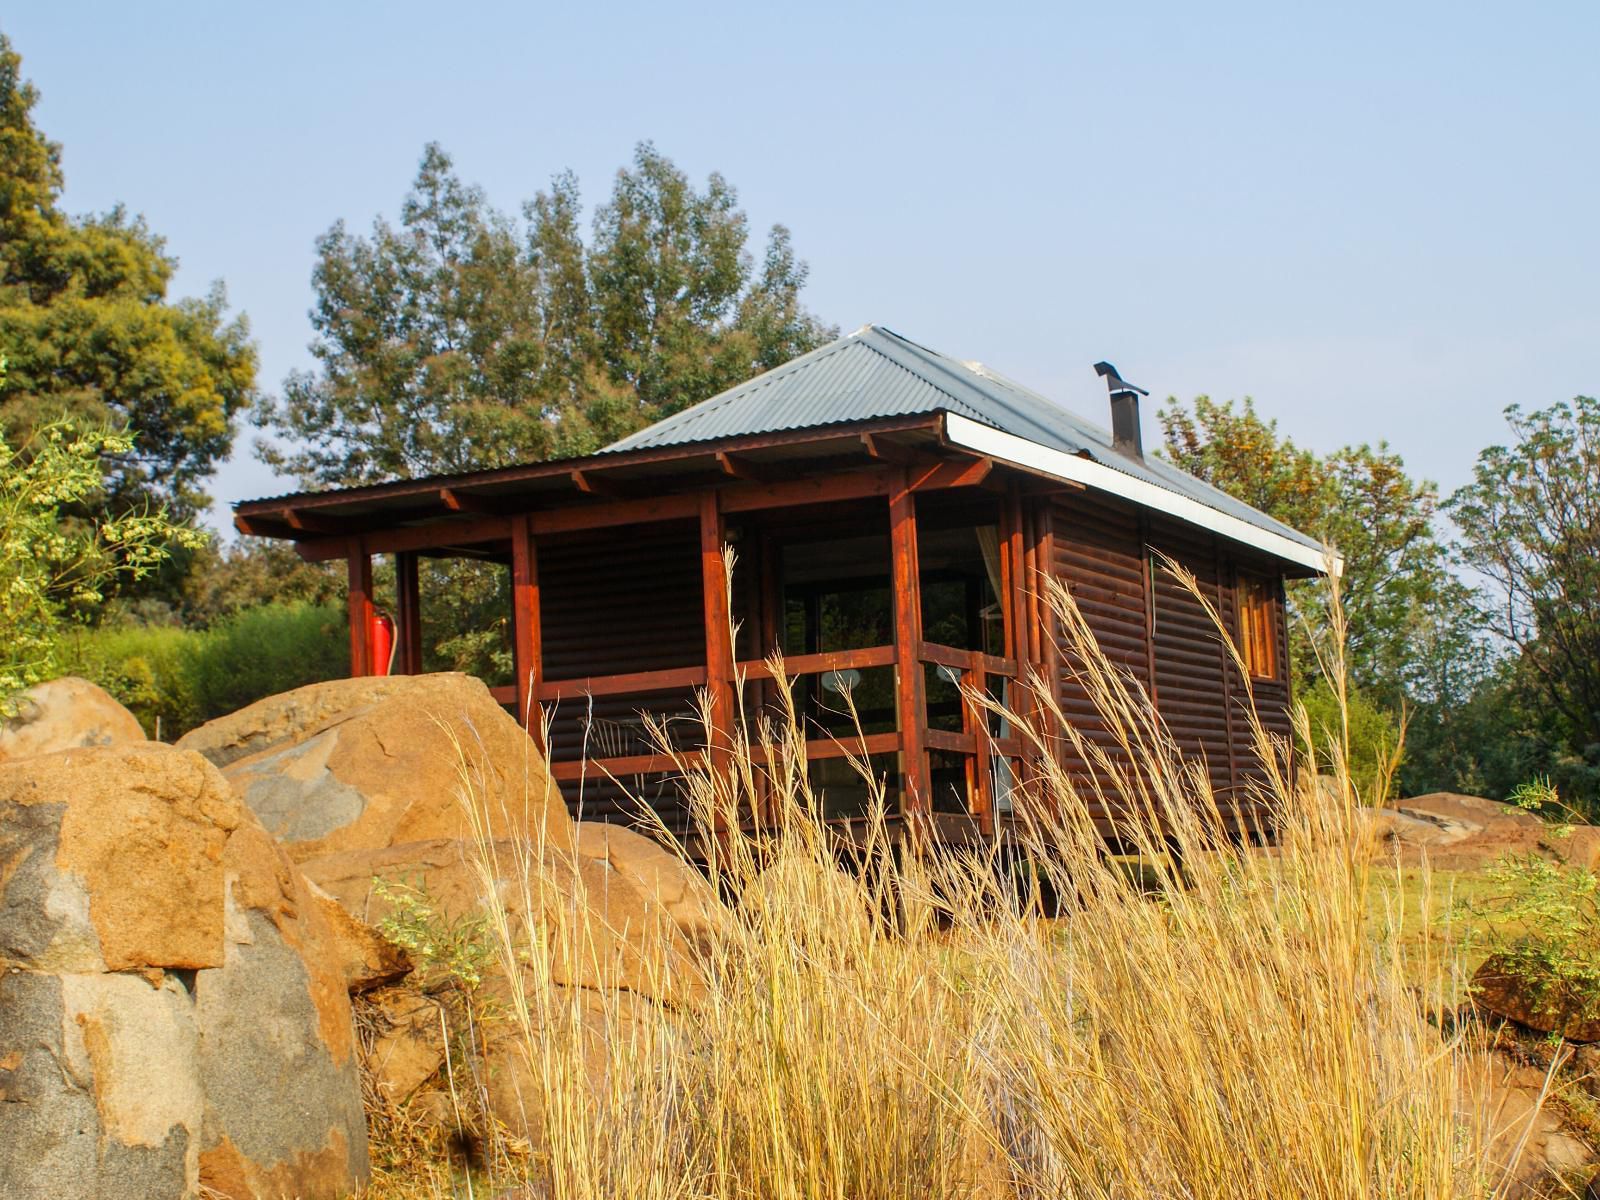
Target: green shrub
{"points": [[173, 679], [1543, 923], [1374, 738], [263, 651]]}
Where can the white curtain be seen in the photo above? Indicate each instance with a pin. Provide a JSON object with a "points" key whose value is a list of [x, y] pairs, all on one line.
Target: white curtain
{"points": [[989, 547]]}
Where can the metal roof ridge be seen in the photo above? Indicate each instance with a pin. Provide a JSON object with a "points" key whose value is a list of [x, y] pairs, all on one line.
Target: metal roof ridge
{"points": [[727, 396], [880, 340], [925, 359]]}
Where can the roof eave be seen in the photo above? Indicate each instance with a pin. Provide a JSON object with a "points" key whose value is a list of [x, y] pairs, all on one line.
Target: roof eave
{"points": [[967, 434]]}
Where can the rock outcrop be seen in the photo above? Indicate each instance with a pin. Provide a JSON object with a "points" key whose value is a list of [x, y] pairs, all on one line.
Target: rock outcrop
{"points": [[359, 765], [1528, 995], [659, 875], [1455, 832], [1526, 1139], [173, 1003], [595, 927], [603, 953], [66, 714]]}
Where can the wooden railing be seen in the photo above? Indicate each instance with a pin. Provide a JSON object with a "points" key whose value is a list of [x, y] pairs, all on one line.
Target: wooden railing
{"points": [[974, 739]]}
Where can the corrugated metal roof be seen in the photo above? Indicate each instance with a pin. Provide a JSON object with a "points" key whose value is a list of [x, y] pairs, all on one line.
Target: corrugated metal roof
{"points": [[875, 373]]}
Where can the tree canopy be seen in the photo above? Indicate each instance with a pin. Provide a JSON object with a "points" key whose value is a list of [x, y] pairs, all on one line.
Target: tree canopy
{"points": [[54, 565], [462, 338], [1396, 581], [89, 332], [1530, 525]]}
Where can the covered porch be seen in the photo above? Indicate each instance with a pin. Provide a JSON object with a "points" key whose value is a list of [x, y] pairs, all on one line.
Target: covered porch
{"points": [[891, 590]]}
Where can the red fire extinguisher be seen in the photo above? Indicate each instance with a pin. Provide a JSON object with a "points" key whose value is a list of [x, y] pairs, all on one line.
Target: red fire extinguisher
{"points": [[382, 642]]}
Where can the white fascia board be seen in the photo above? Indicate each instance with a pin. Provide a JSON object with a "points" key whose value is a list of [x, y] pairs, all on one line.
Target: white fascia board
{"points": [[1008, 447]]}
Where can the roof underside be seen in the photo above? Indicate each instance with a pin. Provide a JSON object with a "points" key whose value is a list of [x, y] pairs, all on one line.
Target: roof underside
{"points": [[870, 379]]}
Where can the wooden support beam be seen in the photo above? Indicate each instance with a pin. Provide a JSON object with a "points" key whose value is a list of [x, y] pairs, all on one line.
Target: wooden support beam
{"points": [[408, 612], [305, 522], [743, 496], [980, 789], [632, 683], [821, 489], [360, 606], [909, 685], [459, 501], [432, 536], [527, 636], [797, 665], [879, 447], [681, 507], [719, 637], [263, 527], [737, 466], [592, 483], [969, 473]]}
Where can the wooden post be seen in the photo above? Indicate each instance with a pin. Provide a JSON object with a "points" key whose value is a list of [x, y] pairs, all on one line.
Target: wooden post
{"points": [[909, 683], [719, 638], [527, 639], [360, 605], [1016, 583], [408, 612], [981, 794]]}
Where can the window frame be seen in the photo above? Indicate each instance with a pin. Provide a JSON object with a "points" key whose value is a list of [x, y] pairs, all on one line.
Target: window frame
{"points": [[1255, 612]]}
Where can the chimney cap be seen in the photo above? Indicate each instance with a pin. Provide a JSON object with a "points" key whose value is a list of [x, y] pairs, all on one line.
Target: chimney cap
{"points": [[1115, 382]]}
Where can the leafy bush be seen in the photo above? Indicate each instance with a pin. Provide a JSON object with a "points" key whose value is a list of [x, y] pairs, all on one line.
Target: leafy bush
{"points": [[1544, 924], [54, 562], [271, 649], [1374, 738], [174, 679]]}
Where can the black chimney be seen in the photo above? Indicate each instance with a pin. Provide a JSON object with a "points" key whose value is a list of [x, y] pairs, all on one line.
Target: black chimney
{"points": [[1125, 435]]}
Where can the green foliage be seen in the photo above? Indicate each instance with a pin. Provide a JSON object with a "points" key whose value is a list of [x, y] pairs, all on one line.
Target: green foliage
{"points": [[224, 580], [467, 622], [1530, 525], [184, 677], [54, 566], [86, 324], [1534, 795], [1397, 589], [460, 339], [1373, 738], [1490, 735], [458, 952], [1554, 910]]}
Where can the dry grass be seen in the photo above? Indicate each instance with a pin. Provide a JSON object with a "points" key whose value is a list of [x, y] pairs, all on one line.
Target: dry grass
{"points": [[913, 1025]]}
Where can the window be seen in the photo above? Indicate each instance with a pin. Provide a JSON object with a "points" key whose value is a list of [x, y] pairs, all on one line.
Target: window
{"points": [[1256, 641]]}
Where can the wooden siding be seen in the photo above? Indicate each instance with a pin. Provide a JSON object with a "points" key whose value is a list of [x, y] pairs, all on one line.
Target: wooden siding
{"points": [[1150, 625], [615, 603], [1095, 553]]}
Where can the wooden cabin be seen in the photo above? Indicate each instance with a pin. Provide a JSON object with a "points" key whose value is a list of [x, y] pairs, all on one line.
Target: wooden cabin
{"points": [[892, 514]]}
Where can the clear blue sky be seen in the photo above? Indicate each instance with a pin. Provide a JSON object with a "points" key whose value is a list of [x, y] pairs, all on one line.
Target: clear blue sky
{"points": [[1378, 220]]}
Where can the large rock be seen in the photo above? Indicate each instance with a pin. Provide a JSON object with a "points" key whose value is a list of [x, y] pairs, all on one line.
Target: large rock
{"points": [[594, 926], [285, 717], [66, 714], [659, 875], [1522, 992], [1528, 1150], [1456, 832], [599, 969], [151, 929], [100, 1090], [365, 764]]}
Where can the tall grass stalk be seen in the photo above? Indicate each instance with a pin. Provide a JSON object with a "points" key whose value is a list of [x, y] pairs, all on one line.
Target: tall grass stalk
{"points": [[886, 1018]]}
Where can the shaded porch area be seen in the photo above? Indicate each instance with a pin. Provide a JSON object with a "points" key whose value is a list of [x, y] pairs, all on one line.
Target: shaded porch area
{"points": [[888, 594]]}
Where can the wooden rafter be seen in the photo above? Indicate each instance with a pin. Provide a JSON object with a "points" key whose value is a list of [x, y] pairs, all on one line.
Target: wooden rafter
{"points": [[457, 500]]}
